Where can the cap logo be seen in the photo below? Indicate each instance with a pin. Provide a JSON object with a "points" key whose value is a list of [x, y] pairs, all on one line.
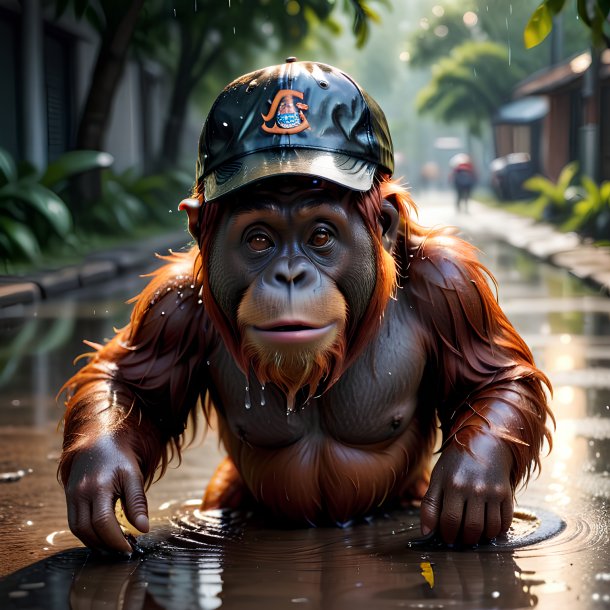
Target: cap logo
{"points": [[286, 113]]}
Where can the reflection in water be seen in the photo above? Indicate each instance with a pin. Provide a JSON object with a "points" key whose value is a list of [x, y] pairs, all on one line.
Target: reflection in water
{"points": [[213, 559], [194, 560]]}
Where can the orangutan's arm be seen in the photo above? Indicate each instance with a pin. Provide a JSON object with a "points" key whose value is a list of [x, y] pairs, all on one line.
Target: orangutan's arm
{"points": [[128, 406], [490, 396]]}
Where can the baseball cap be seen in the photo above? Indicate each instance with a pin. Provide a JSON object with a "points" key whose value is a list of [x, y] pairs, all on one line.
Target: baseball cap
{"points": [[302, 118]]}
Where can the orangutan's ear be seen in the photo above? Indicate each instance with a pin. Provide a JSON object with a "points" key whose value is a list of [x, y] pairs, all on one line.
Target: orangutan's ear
{"points": [[192, 206], [389, 222]]}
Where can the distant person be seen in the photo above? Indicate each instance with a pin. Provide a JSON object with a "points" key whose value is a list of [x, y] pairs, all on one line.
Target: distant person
{"points": [[463, 177], [429, 174]]}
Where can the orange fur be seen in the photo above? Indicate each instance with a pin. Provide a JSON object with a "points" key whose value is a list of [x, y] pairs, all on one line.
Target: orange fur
{"points": [[144, 384]]}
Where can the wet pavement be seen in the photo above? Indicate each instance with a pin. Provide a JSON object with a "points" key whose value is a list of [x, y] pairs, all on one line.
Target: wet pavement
{"points": [[556, 556]]}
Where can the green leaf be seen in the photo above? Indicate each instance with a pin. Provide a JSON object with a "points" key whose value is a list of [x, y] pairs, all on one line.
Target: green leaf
{"points": [[567, 175], [43, 201], [8, 170], [604, 191], [75, 162], [538, 27], [28, 171], [539, 184], [583, 11], [593, 194], [22, 239]]}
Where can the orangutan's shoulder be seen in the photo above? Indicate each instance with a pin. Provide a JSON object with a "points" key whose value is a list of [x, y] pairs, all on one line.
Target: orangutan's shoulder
{"points": [[445, 260]]}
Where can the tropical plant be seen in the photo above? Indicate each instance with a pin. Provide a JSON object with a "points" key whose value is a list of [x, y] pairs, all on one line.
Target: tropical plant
{"points": [[32, 214], [594, 14], [591, 215], [130, 200], [554, 200], [469, 85]]}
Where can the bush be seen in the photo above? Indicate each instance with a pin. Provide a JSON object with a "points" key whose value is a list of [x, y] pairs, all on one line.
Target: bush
{"points": [[32, 214]]}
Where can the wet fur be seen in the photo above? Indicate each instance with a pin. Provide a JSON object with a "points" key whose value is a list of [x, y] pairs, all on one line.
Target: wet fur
{"points": [[132, 387]]}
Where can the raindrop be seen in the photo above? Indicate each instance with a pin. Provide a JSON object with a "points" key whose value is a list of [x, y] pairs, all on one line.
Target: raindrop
{"points": [[248, 402], [262, 395]]}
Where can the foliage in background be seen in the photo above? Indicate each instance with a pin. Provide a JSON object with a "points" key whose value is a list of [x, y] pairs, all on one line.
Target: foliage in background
{"points": [[502, 22], [460, 39], [594, 14], [191, 40], [130, 200], [573, 202], [469, 85], [208, 37], [591, 214], [35, 220], [32, 214], [554, 198]]}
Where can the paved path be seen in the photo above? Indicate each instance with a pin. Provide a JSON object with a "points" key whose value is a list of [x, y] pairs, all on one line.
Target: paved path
{"points": [[584, 260], [569, 251]]}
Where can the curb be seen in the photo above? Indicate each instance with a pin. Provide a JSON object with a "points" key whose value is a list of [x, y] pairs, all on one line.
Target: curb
{"points": [[564, 250], [96, 268]]}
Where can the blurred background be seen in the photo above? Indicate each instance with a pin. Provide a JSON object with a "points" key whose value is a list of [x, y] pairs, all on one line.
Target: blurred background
{"points": [[102, 103]]}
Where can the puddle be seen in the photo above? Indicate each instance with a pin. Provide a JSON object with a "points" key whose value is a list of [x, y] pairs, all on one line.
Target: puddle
{"points": [[219, 558]]}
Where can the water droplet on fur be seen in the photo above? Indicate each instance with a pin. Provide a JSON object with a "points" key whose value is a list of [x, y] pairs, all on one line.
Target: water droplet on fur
{"points": [[262, 396], [248, 402], [290, 403]]}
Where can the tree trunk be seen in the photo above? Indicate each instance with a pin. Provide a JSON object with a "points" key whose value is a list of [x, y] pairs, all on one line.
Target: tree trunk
{"points": [[191, 68], [176, 114], [105, 80]]}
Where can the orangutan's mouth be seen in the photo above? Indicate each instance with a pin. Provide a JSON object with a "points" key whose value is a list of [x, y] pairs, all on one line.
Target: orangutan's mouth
{"points": [[290, 332]]}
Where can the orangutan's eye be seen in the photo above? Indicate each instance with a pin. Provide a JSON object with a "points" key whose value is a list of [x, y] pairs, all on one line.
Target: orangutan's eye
{"points": [[259, 242], [320, 238]]}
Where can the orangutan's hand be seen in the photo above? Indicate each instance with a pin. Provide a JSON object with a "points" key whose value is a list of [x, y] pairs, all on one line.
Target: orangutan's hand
{"points": [[100, 475], [470, 498]]}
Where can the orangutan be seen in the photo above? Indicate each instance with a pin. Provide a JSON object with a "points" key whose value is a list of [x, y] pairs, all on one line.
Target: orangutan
{"points": [[327, 332]]}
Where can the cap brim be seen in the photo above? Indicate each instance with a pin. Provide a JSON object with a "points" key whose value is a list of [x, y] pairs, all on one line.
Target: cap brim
{"points": [[352, 173]]}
